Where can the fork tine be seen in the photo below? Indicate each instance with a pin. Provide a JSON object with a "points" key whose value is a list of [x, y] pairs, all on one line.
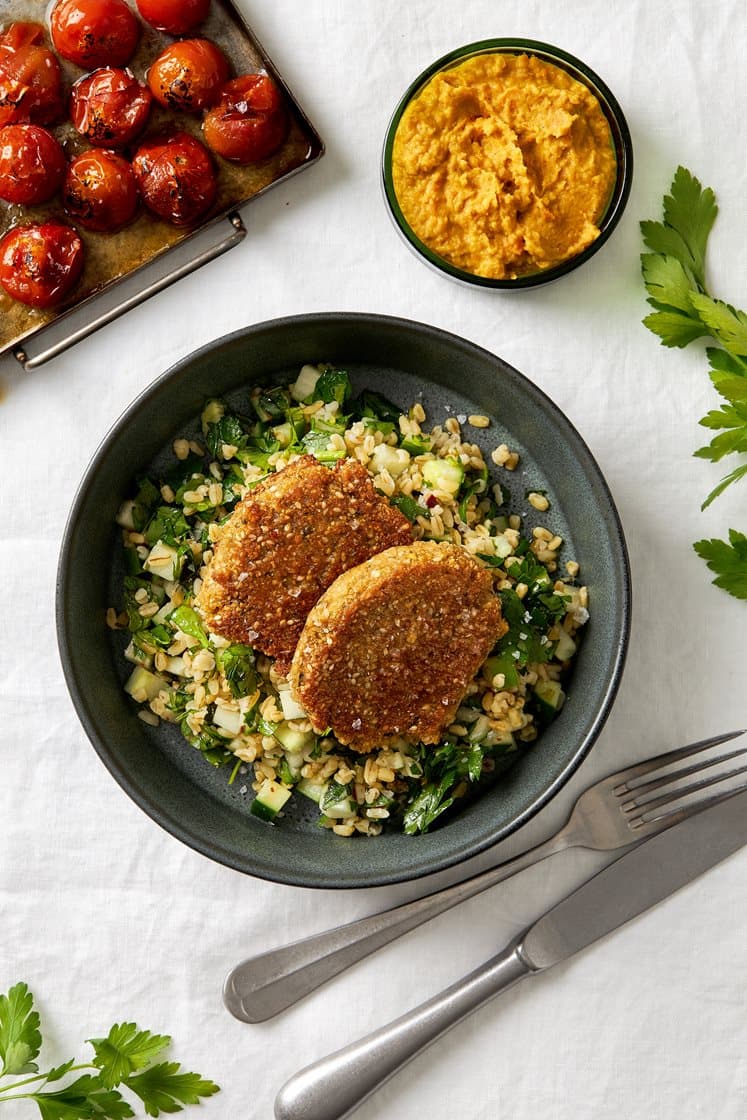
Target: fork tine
{"points": [[677, 794], [644, 828], [640, 769], [645, 788]]}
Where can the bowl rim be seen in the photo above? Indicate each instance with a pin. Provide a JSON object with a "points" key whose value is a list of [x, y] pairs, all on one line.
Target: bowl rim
{"points": [[620, 134], [206, 845]]}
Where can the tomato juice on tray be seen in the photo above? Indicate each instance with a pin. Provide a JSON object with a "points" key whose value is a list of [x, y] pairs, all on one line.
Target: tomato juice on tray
{"points": [[109, 104]]}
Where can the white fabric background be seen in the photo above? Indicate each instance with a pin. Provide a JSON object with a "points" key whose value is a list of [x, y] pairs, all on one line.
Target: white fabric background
{"points": [[106, 916]]}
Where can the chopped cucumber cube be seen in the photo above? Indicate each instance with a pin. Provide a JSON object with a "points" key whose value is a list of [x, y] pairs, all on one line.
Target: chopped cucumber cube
{"points": [[502, 547], [291, 739], [305, 383], [444, 474], [502, 739], [295, 761], [125, 517], [391, 459], [336, 801], [479, 729], [229, 720], [291, 708], [142, 685], [284, 434], [163, 613], [311, 789], [337, 810], [549, 697], [138, 656], [164, 560], [416, 444], [270, 800], [565, 647], [289, 767]]}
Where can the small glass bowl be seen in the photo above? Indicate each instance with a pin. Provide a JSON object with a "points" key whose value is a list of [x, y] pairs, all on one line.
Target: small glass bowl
{"points": [[620, 137]]}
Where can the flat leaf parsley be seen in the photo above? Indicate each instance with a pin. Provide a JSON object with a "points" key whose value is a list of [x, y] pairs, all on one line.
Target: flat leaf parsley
{"points": [[674, 276], [123, 1060], [729, 561]]}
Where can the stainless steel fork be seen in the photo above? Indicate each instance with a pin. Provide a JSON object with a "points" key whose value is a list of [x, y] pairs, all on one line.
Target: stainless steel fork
{"points": [[619, 810]]}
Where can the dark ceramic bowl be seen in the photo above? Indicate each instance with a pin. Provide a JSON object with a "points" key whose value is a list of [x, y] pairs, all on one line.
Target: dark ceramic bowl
{"points": [[407, 361], [620, 138]]}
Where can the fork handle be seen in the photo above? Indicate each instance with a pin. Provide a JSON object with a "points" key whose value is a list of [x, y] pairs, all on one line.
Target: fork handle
{"points": [[264, 985], [335, 1086]]}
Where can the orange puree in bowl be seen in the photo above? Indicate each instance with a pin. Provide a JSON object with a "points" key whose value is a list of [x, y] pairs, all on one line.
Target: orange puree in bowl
{"points": [[503, 165]]}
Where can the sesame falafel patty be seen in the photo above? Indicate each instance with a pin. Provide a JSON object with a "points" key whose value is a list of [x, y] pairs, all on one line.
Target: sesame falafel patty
{"points": [[285, 543], [389, 650]]}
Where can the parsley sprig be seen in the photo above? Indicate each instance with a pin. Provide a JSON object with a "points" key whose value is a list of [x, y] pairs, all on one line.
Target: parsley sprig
{"points": [[124, 1059], [674, 275]]}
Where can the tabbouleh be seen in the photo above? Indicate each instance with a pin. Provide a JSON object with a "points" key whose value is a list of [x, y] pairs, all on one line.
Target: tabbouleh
{"points": [[227, 699]]}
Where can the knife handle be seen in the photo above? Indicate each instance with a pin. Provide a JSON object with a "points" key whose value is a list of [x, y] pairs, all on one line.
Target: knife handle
{"points": [[335, 1086]]}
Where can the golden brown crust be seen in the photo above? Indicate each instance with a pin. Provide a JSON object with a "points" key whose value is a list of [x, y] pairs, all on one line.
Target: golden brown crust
{"points": [[283, 546], [392, 645]]}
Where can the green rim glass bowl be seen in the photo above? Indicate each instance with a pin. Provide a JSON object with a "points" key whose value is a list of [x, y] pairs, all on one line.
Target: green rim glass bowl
{"points": [[620, 137], [406, 361]]}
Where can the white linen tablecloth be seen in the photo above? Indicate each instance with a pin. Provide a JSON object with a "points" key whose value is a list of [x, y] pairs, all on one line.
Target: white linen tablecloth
{"points": [[106, 916]]}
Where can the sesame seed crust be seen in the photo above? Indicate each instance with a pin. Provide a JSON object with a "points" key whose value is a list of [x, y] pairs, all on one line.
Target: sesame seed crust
{"points": [[389, 649], [285, 544]]}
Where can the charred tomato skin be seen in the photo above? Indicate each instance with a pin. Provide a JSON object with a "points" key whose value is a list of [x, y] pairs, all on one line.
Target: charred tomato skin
{"points": [[249, 122], [100, 191], [176, 176], [187, 76], [177, 17], [93, 33], [110, 106], [40, 264], [30, 77], [32, 164]]}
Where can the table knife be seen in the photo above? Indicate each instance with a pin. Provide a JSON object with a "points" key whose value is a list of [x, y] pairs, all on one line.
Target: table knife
{"points": [[335, 1086]]}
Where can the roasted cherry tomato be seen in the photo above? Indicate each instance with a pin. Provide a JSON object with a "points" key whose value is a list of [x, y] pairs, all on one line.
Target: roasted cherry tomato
{"points": [[249, 122], [32, 164], [176, 177], [94, 32], [40, 264], [100, 191], [178, 17], [110, 107], [188, 75], [30, 77]]}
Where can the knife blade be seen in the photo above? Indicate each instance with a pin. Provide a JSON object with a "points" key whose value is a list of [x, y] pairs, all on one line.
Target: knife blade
{"points": [[644, 875], [635, 882]]}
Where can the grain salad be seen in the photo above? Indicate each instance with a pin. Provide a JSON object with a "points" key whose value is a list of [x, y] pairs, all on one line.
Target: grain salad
{"points": [[231, 702]]}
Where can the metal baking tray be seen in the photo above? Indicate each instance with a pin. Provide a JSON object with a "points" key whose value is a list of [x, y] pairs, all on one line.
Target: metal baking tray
{"points": [[125, 268]]}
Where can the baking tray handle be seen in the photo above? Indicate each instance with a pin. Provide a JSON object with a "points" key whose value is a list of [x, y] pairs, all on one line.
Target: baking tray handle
{"points": [[76, 333]]}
